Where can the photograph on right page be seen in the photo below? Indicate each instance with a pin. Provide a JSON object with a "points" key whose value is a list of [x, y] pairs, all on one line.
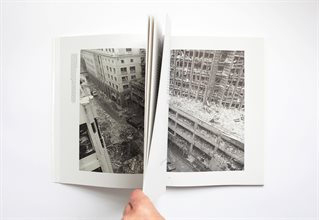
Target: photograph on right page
{"points": [[206, 117]]}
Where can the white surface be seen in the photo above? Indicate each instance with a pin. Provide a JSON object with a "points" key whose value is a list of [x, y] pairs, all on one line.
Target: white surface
{"points": [[291, 167]]}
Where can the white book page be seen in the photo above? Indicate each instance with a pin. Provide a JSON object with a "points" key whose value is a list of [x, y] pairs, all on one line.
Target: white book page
{"points": [[157, 49], [149, 54], [202, 149], [68, 166], [155, 175]]}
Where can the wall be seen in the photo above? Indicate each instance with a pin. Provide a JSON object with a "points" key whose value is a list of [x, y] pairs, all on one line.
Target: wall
{"points": [[291, 169]]}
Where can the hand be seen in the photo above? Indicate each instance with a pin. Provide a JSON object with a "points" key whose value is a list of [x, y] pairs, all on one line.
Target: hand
{"points": [[140, 208]]}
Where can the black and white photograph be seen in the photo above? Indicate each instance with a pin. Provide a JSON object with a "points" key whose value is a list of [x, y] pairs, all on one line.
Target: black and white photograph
{"points": [[206, 111], [111, 129]]}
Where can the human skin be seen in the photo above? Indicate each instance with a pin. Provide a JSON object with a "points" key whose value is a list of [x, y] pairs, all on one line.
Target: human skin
{"points": [[140, 207]]}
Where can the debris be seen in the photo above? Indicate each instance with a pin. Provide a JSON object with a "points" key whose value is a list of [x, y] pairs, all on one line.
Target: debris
{"points": [[221, 117]]}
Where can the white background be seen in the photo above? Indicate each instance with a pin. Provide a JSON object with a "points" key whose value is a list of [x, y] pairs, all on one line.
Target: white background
{"points": [[290, 29]]}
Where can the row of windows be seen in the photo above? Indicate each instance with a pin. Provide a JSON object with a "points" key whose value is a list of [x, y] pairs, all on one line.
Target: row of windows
{"points": [[197, 66], [131, 60], [122, 61], [123, 69], [112, 50], [124, 78], [110, 69], [191, 53], [114, 86]]}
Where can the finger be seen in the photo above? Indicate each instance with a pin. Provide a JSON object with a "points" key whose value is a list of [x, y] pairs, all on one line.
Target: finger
{"points": [[127, 209], [136, 197]]}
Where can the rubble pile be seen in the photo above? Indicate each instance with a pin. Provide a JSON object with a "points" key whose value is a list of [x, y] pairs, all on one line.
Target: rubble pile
{"points": [[126, 157], [122, 143], [133, 165]]}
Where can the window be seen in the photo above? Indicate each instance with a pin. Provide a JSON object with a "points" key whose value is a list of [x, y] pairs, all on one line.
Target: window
{"points": [[107, 67], [132, 69], [108, 75], [86, 147], [124, 78], [111, 77], [223, 57], [122, 61], [113, 70], [123, 70], [117, 87], [132, 60], [133, 77], [128, 49], [125, 86], [113, 50], [115, 78]]}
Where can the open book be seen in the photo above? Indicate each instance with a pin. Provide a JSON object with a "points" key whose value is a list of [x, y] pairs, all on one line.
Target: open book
{"points": [[156, 110]]}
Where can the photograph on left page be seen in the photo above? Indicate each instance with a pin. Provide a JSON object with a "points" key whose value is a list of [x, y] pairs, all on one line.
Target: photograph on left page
{"points": [[112, 85]]}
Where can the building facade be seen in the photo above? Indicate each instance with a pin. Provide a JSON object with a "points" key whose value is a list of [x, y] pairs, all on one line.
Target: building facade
{"points": [[93, 155], [137, 92], [202, 143], [113, 68], [209, 76]]}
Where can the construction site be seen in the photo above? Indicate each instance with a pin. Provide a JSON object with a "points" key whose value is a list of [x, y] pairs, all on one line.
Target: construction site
{"points": [[206, 111]]}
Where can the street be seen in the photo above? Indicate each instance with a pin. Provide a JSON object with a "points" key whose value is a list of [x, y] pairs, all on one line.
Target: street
{"points": [[123, 141]]}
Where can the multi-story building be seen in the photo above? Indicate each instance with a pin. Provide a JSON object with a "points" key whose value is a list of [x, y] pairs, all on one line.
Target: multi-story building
{"points": [[205, 77], [137, 91], [113, 68], [203, 143], [93, 154], [209, 76]]}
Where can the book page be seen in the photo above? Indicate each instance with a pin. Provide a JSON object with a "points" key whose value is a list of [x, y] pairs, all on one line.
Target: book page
{"points": [[99, 110], [149, 55], [215, 113], [155, 174], [155, 69]]}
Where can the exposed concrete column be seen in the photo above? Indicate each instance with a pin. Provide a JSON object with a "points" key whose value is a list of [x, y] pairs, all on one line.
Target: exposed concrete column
{"points": [[174, 70], [235, 89], [230, 59], [212, 76], [183, 78], [191, 74], [193, 137]]}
